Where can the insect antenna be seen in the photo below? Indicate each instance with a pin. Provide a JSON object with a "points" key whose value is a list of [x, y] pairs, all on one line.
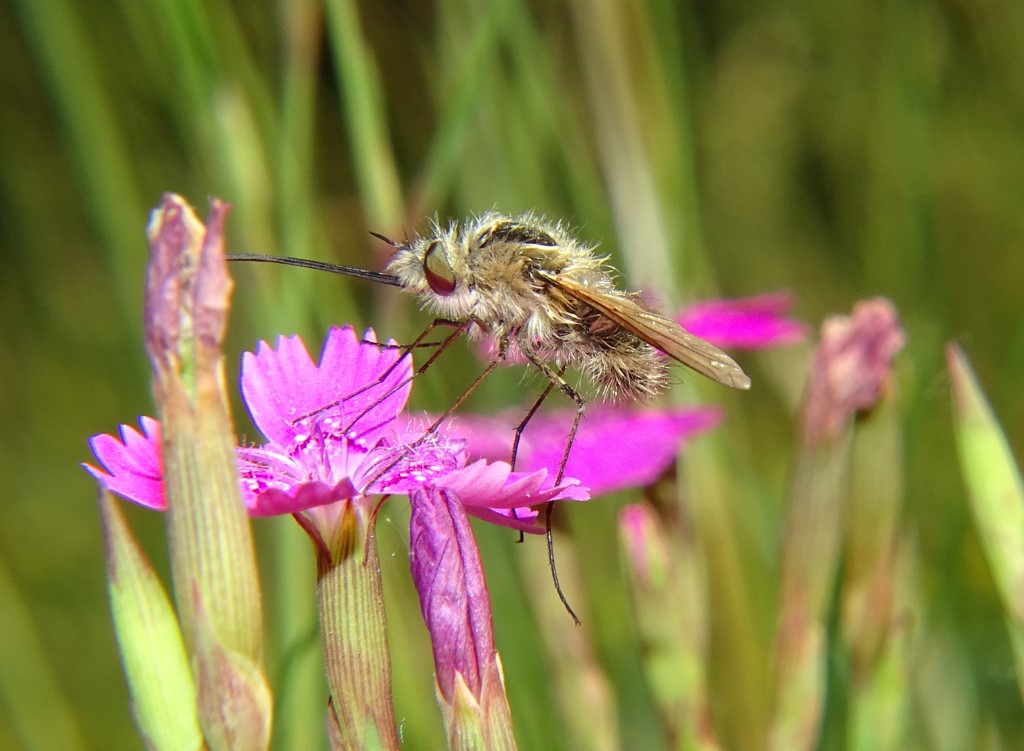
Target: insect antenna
{"points": [[387, 240], [332, 268]]}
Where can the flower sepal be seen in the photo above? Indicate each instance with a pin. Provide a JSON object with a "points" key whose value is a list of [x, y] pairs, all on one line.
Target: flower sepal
{"points": [[234, 700], [353, 624], [484, 723], [186, 304]]}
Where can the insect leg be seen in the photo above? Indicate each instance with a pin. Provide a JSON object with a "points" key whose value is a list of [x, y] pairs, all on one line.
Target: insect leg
{"points": [[460, 327], [522, 426], [555, 379], [386, 345], [529, 416], [434, 425]]}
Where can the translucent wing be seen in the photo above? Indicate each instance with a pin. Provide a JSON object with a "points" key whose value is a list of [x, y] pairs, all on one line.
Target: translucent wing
{"points": [[660, 332]]}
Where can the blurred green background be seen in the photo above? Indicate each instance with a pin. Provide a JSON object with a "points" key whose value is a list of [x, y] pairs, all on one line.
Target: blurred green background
{"points": [[836, 150]]}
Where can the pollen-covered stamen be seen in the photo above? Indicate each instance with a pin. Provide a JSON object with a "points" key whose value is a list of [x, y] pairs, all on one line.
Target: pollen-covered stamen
{"points": [[397, 468], [261, 470]]}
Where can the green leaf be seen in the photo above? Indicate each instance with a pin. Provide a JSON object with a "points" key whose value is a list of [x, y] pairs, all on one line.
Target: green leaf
{"points": [[152, 649], [995, 493]]}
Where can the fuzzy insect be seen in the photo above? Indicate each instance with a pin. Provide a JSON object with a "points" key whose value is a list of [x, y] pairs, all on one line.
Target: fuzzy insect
{"points": [[536, 292], [531, 291]]}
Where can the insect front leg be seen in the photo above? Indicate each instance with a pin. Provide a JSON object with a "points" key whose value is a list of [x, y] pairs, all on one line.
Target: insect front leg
{"points": [[432, 428], [459, 326]]}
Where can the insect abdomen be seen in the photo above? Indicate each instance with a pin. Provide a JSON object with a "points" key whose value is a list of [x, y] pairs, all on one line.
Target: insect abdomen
{"points": [[631, 370], [620, 365]]}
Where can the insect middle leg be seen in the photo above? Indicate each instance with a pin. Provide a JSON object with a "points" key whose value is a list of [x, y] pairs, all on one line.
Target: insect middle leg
{"points": [[529, 416], [555, 379]]}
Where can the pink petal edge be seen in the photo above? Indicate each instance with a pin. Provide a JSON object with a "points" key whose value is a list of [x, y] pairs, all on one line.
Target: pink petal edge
{"points": [[131, 464]]}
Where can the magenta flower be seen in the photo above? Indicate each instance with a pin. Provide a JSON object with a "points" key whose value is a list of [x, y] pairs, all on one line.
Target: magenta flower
{"points": [[322, 422], [614, 448], [306, 463], [131, 463], [323, 449], [745, 323]]}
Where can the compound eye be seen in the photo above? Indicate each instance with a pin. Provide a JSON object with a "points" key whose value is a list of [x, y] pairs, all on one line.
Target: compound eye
{"points": [[439, 274]]}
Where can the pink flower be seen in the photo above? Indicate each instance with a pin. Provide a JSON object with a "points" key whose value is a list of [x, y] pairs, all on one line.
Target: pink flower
{"points": [[852, 367], [614, 448], [323, 449], [131, 464], [745, 323], [325, 421]]}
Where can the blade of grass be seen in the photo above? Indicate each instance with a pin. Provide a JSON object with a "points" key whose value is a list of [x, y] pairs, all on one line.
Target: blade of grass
{"points": [[298, 677], [995, 493], [64, 50], [737, 667], [364, 111], [875, 596], [220, 101], [578, 678], [605, 41]]}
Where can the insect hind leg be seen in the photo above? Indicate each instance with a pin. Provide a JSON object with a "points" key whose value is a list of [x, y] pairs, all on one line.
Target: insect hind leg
{"points": [[555, 379]]}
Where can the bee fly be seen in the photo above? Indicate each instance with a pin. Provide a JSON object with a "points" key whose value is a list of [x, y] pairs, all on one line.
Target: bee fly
{"points": [[531, 291]]}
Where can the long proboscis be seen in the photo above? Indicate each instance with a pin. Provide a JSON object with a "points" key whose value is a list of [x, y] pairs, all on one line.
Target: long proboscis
{"points": [[305, 263]]}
